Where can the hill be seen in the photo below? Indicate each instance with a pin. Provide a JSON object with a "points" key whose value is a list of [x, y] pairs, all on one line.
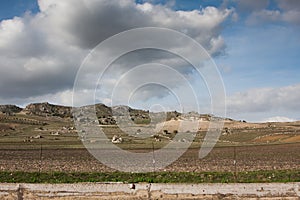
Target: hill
{"points": [[10, 109], [104, 113]]}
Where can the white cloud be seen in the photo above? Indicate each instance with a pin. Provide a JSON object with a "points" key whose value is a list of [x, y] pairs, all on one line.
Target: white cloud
{"points": [[279, 119], [282, 99], [292, 16], [289, 12], [263, 16], [40, 54]]}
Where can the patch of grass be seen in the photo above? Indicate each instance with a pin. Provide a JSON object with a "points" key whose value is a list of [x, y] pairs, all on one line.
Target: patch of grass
{"points": [[142, 121], [156, 177]]}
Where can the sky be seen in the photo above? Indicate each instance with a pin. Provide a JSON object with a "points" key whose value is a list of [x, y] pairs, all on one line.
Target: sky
{"points": [[255, 45]]}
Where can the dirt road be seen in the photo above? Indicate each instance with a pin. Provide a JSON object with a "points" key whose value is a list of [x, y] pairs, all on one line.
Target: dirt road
{"points": [[150, 191]]}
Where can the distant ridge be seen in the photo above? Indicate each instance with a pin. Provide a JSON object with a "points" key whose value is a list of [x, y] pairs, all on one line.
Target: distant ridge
{"points": [[105, 114]]}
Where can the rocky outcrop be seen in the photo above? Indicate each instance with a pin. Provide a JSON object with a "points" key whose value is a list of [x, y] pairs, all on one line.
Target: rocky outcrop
{"points": [[10, 109], [103, 111], [105, 114], [46, 109]]}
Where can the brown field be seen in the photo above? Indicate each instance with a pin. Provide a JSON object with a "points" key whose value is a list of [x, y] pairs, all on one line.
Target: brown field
{"points": [[34, 144], [249, 158]]}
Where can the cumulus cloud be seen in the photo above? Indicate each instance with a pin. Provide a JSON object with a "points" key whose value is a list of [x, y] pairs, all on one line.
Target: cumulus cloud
{"points": [[41, 53], [265, 100]]}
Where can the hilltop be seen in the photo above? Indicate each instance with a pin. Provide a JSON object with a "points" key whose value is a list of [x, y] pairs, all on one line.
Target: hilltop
{"points": [[105, 114]]}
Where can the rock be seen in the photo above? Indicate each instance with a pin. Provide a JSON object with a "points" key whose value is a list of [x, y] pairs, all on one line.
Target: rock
{"points": [[157, 138], [10, 109], [56, 133], [37, 137], [132, 186], [227, 131], [116, 139], [28, 140], [46, 109]]}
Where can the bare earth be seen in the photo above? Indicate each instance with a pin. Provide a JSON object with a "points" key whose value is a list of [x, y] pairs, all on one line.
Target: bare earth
{"points": [[249, 158]]}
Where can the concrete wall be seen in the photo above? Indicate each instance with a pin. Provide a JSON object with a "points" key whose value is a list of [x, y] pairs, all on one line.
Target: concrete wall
{"points": [[149, 191]]}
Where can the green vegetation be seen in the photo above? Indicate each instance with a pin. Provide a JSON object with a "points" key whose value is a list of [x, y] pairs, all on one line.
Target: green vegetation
{"points": [[155, 177], [142, 121]]}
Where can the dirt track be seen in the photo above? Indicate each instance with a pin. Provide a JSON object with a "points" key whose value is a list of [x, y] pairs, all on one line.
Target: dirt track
{"points": [[150, 191]]}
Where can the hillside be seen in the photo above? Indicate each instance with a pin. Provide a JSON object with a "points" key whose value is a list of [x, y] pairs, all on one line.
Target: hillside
{"points": [[53, 123], [104, 113]]}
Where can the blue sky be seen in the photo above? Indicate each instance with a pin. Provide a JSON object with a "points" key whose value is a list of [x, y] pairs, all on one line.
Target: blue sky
{"points": [[11, 8], [258, 54]]}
